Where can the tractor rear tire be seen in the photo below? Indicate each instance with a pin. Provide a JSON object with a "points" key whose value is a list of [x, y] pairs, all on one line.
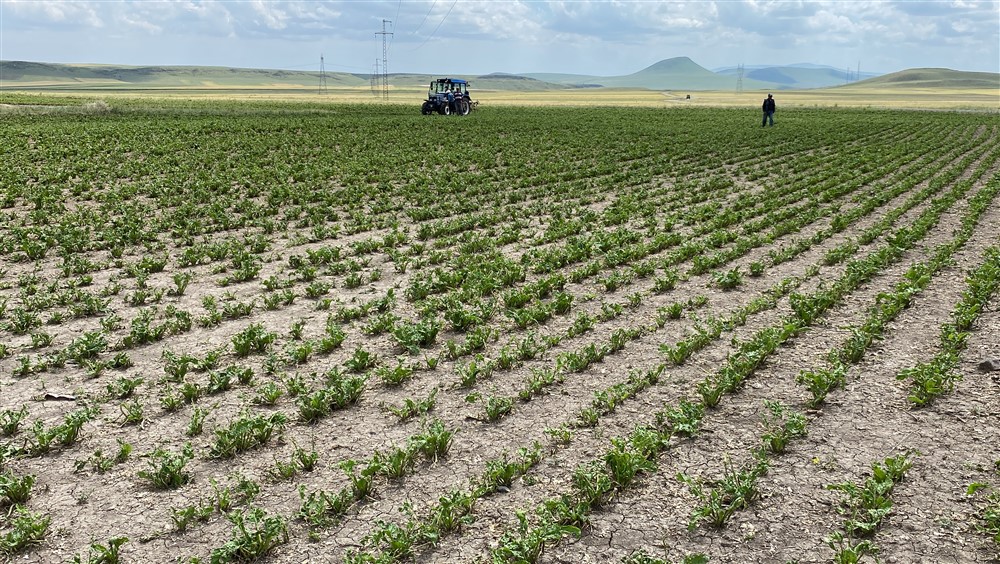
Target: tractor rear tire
{"points": [[463, 108]]}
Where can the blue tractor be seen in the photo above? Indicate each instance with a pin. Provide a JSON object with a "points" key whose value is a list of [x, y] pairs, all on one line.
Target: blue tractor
{"points": [[448, 96]]}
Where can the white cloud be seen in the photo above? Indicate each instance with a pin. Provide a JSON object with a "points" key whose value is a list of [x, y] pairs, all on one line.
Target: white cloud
{"points": [[825, 22], [589, 35], [495, 21], [138, 23], [271, 15], [60, 14]]}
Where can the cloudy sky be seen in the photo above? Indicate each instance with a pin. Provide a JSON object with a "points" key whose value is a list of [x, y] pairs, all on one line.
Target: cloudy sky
{"points": [[601, 37]]}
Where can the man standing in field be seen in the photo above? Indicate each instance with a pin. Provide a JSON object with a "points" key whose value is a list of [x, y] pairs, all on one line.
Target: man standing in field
{"points": [[768, 108]]}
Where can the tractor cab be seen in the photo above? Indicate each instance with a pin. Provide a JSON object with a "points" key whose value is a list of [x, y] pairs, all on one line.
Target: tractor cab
{"points": [[448, 96]]}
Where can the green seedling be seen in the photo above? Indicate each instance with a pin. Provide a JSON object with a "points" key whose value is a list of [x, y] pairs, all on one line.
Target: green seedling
{"points": [[781, 425], [183, 517], [268, 394], [15, 490], [412, 408], [254, 535], [246, 433], [434, 440], [11, 419], [25, 530], [167, 468], [103, 554]]}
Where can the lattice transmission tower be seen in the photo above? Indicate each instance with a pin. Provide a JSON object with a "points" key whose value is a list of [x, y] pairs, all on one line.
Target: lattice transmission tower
{"points": [[385, 59], [322, 75], [739, 79]]}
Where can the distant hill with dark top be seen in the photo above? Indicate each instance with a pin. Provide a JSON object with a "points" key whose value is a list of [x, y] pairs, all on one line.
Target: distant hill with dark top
{"points": [[674, 74], [935, 78]]}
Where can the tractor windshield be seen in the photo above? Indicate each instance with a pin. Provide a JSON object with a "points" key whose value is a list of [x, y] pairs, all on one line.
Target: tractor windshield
{"points": [[445, 87]]}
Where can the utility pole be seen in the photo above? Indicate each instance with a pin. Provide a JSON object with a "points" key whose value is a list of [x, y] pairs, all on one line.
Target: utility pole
{"points": [[322, 75], [739, 79], [385, 60]]}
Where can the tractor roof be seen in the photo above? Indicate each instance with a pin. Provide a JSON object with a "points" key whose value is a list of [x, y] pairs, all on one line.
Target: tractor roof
{"points": [[451, 81]]}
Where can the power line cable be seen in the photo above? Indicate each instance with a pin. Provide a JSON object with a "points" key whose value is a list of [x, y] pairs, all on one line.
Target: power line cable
{"points": [[313, 65], [425, 16], [431, 36], [396, 19]]}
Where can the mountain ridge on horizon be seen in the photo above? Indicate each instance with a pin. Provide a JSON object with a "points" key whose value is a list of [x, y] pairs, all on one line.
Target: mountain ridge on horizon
{"points": [[675, 73], [798, 76]]}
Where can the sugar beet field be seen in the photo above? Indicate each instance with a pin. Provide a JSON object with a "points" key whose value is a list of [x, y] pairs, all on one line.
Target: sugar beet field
{"points": [[299, 333]]}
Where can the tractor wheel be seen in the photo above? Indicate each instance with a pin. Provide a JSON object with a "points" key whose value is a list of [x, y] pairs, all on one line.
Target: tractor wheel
{"points": [[463, 108], [426, 109], [445, 109]]}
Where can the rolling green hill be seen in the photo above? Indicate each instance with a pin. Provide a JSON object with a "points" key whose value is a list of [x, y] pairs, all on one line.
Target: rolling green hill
{"points": [[564, 79], [495, 81], [675, 74], [681, 73], [16, 74], [794, 77], [933, 78], [678, 73], [21, 75]]}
